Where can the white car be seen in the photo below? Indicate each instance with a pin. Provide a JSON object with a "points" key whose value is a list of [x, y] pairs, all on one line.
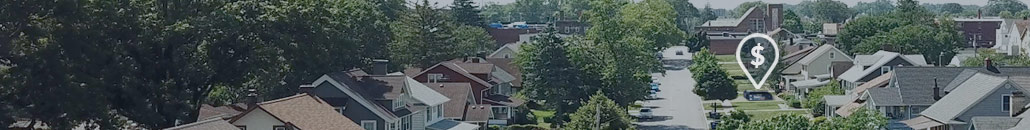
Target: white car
{"points": [[646, 113]]}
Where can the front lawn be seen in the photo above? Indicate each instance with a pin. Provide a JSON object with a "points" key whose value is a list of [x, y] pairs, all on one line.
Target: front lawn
{"points": [[757, 105], [726, 58], [542, 116]]}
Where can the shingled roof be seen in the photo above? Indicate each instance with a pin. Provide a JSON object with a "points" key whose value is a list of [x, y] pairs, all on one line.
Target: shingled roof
{"points": [[308, 112]]}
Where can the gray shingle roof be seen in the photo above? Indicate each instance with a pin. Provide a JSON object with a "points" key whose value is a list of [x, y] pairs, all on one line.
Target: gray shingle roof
{"points": [[964, 97], [994, 123], [210, 124], [885, 96], [916, 83]]}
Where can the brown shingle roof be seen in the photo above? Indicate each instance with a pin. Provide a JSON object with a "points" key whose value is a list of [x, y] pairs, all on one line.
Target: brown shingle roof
{"points": [[504, 100], [475, 68], [209, 112], [308, 112], [477, 113], [458, 93], [209, 124], [508, 65]]}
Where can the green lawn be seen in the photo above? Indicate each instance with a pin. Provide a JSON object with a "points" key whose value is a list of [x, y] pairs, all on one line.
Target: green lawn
{"points": [[757, 105], [726, 58], [541, 116], [763, 115]]}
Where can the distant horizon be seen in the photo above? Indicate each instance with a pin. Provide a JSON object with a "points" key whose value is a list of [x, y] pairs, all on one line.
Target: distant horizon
{"points": [[730, 4]]}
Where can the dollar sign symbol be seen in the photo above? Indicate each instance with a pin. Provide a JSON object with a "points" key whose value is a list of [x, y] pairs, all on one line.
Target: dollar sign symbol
{"points": [[757, 52]]}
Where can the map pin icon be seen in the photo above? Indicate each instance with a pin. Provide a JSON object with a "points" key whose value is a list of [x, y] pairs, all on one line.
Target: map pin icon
{"points": [[757, 54]]}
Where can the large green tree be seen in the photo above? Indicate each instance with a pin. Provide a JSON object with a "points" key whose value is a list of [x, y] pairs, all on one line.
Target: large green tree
{"points": [[713, 83], [743, 7], [600, 108], [830, 11], [779, 122], [426, 36], [653, 20], [874, 8], [792, 22], [549, 75], [994, 7], [465, 12], [815, 101], [861, 119]]}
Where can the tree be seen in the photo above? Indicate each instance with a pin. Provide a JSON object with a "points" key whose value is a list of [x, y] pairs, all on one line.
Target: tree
{"points": [[423, 38], [466, 13], [830, 11], [861, 119], [792, 22], [743, 7], [474, 41], [623, 60], [550, 76], [994, 7], [687, 15], [913, 39], [874, 8], [1006, 15], [815, 100], [999, 59], [779, 122], [653, 20], [698, 41], [733, 120], [708, 14], [951, 8], [600, 108], [713, 82]]}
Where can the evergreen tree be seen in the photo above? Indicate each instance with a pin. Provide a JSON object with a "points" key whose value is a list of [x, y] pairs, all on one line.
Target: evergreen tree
{"points": [[548, 75], [423, 38], [465, 12]]}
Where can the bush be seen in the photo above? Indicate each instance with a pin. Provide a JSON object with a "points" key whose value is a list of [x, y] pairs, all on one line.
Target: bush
{"points": [[526, 127], [494, 127], [794, 103]]}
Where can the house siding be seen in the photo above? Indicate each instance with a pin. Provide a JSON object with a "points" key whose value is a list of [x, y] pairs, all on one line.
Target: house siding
{"points": [[821, 65], [503, 52], [354, 110], [989, 106], [452, 77]]}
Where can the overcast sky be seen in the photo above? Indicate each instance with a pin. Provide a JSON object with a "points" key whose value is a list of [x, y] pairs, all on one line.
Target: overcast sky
{"points": [[729, 4]]}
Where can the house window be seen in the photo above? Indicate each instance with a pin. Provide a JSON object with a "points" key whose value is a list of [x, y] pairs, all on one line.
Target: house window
{"points": [[398, 103], [429, 114], [406, 123], [242, 127], [500, 112], [885, 69], [831, 55], [393, 126], [1005, 103], [279, 127], [439, 111], [340, 109], [368, 124], [434, 77]]}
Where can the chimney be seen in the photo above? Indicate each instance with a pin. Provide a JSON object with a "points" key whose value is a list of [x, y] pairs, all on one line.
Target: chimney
{"points": [[1016, 101], [379, 66], [936, 90], [979, 13], [252, 98]]}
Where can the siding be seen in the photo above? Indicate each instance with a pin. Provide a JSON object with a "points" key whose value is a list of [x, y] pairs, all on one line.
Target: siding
{"points": [[821, 65], [418, 121], [989, 106], [354, 110]]}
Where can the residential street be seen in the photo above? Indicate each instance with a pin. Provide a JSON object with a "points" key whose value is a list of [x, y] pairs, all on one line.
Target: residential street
{"points": [[677, 107]]}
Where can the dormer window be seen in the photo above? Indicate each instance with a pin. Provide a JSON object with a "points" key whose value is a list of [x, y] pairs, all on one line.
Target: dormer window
{"points": [[399, 103]]}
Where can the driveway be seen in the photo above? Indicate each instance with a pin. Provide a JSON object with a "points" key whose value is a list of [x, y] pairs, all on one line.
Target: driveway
{"points": [[677, 107]]}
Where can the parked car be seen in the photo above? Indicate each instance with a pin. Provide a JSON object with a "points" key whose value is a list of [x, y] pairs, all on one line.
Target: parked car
{"points": [[652, 94], [654, 87], [646, 113]]}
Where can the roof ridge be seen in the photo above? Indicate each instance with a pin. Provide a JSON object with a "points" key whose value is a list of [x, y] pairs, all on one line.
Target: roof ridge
{"points": [[283, 99], [195, 123]]}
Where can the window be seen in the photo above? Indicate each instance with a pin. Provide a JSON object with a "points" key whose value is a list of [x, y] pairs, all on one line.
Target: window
{"points": [[500, 112], [368, 124], [429, 114], [406, 123], [439, 111], [831, 55], [279, 127], [242, 127], [393, 126], [1005, 103], [340, 109], [758, 25], [398, 103], [434, 77], [885, 69]]}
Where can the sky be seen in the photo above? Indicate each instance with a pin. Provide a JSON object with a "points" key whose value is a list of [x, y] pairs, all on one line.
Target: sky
{"points": [[729, 4]]}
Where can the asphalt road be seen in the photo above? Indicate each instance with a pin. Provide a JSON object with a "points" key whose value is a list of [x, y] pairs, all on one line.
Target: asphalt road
{"points": [[677, 107]]}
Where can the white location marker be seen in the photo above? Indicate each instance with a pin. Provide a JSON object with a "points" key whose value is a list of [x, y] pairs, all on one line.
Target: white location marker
{"points": [[758, 55]]}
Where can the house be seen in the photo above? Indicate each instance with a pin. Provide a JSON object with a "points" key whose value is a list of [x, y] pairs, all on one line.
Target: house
{"points": [[490, 84], [980, 99], [980, 32], [725, 34], [297, 112], [914, 89], [382, 101], [867, 67], [814, 69], [829, 33], [571, 27], [790, 42], [504, 36], [857, 97]]}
